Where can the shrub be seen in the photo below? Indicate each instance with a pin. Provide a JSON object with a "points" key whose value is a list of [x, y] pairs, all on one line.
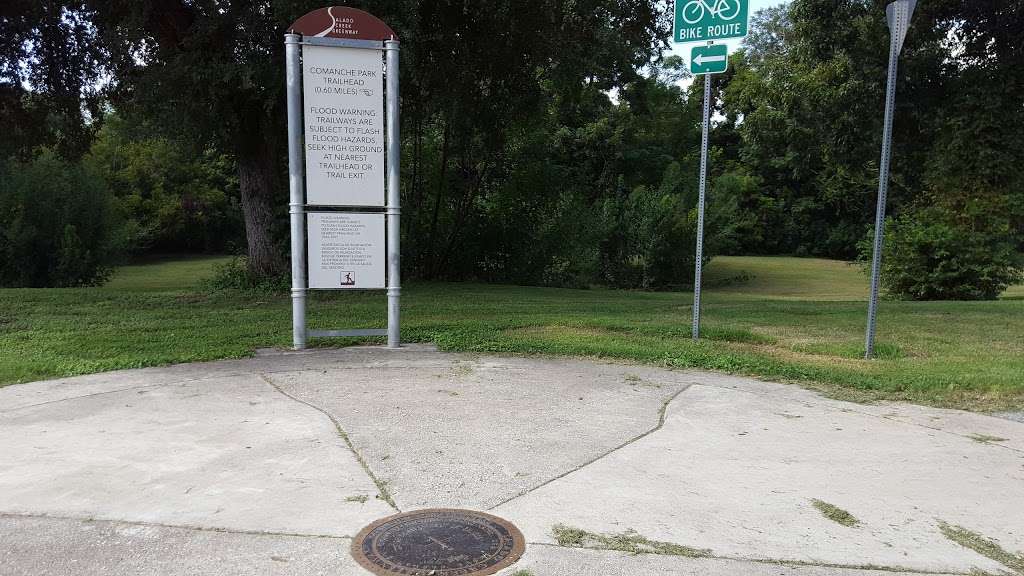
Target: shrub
{"points": [[928, 256], [58, 227], [235, 275]]}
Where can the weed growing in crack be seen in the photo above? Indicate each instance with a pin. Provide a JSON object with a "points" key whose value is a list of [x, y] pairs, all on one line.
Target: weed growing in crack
{"points": [[987, 547], [986, 439], [835, 513], [628, 541]]}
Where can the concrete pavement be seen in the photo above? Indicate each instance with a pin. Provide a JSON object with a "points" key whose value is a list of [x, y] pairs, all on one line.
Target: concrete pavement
{"points": [[269, 465]]}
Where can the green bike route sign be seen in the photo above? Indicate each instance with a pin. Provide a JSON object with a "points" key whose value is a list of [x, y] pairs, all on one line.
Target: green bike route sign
{"points": [[711, 59], [706, 20]]}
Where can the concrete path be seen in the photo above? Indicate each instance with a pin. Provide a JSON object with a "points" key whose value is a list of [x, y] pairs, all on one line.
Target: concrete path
{"points": [[269, 466]]}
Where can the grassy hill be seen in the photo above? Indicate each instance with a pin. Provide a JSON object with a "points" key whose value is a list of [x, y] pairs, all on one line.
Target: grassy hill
{"points": [[790, 319]]}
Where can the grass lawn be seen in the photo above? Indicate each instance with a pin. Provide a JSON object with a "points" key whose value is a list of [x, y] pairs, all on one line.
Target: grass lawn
{"points": [[781, 318]]}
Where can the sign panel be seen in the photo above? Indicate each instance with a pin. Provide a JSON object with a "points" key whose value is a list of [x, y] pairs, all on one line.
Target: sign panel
{"points": [[713, 59], [346, 251], [706, 20], [343, 107]]}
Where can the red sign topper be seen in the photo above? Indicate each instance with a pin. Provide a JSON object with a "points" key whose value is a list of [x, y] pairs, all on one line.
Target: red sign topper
{"points": [[342, 22]]}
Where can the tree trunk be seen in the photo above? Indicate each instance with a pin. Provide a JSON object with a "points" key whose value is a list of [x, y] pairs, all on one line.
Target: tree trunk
{"points": [[442, 186], [255, 180]]}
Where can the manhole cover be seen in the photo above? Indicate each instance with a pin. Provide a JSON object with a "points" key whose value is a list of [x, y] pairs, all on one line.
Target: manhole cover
{"points": [[438, 542]]}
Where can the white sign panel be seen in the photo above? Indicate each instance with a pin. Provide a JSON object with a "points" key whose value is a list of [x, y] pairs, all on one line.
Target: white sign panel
{"points": [[346, 251], [343, 101]]}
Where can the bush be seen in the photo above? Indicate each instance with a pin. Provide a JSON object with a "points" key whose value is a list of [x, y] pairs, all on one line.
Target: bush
{"points": [[58, 227], [650, 236], [929, 257], [235, 275]]}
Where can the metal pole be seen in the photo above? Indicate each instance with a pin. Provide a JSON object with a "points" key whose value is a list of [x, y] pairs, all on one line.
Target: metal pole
{"points": [[700, 207], [296, 187], [394, 156], [883, 192]]}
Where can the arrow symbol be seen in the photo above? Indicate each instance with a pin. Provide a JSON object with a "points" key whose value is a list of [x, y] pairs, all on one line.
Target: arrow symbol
{"points": [[700, 59]]}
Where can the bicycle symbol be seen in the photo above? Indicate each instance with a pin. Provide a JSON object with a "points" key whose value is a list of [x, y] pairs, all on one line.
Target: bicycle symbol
{"points": [[695, 10]]}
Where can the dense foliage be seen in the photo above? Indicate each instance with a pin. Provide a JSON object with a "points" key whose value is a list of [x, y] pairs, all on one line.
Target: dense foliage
{"points": [[60, 226], [550, 142], [806, 100], [174, 197]]}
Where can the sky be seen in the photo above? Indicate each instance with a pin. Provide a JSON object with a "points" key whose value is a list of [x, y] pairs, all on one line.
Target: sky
{"points": [[684, 49]]}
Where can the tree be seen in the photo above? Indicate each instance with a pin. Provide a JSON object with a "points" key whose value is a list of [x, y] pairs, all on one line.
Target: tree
{"points": [[51, 70], [213, 70], [175, 198]]}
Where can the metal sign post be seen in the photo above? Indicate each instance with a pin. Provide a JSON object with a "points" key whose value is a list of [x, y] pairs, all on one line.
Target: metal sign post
{"points": [[343, 154], [705, 21], [898, 14], [296, 187], [394, 197], [699, 272]]}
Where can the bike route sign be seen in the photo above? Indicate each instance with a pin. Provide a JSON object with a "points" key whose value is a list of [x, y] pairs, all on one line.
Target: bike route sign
{"points": [[707, 20], [713, 59]]}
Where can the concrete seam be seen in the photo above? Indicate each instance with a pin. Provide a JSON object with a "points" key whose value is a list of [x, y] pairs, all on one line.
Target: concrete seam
{"points": [[661, 422], [128, 389], [48, 402], [177, 382], [381, 485], [964, 436], [190, 527], [862, 413], [792, 563]]}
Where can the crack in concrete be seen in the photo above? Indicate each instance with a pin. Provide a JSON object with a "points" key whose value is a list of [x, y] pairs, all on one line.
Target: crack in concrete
{"points": [[776, 562], [661, 423], [382, 487], [191, 527]]}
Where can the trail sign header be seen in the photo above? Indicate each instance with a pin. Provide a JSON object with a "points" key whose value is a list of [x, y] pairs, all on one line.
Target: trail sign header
{"points": [[344, 23], [712, 59], [706, 20]]}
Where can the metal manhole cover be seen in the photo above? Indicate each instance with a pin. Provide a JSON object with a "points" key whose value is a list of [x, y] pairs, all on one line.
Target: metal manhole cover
{"points": [[438, 542]]}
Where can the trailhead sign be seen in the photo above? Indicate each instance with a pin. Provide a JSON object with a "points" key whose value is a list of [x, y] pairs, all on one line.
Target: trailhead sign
{"points": [[343, 102], [707, 20], [343, 161], [346, 250]]}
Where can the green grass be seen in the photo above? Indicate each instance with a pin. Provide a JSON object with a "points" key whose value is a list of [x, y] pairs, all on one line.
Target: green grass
{"points": [[792, 319]]}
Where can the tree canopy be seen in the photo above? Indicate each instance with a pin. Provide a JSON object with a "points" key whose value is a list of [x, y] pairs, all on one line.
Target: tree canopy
{"points": [[551, 142]]}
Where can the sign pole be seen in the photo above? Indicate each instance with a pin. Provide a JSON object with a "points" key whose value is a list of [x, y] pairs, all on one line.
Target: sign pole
{"points": [[699, 266], [898, 13], [296, 186], [393, 209]]}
